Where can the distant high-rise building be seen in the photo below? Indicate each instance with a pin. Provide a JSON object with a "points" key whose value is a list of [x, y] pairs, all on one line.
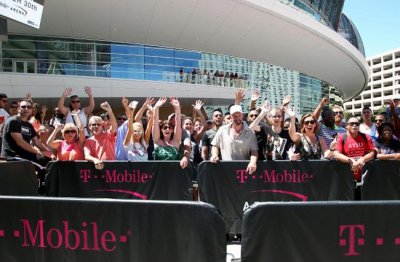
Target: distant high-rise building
{"points": [[383, 84]]}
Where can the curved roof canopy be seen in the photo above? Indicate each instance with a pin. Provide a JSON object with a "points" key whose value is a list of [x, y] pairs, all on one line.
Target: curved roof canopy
{"points": [[261, 30]]}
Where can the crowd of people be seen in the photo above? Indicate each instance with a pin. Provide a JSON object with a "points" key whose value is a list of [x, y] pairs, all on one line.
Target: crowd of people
{"points": [[74, 133]]}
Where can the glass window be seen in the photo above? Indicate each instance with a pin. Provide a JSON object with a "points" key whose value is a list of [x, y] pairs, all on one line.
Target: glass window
{"points": [[160, 52]]}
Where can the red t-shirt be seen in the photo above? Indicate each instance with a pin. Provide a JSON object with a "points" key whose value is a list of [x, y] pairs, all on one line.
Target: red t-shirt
{"points": [[101, 147], [355, 148]]}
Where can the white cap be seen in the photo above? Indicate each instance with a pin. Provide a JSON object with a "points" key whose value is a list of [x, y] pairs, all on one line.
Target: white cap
{"points": [[235, 108]]}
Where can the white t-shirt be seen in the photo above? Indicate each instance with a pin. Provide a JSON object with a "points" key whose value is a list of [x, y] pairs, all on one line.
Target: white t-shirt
{"points": [[3, 118]]}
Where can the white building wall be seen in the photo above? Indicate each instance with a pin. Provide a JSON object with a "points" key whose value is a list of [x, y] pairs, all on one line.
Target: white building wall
{"points": [[383, 84]]}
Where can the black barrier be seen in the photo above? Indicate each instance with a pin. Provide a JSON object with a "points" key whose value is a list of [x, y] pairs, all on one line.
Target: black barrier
{"points": [[382, 181], [18, 178], [322, 231], [227, 186], [57, 229], [154, 180]]}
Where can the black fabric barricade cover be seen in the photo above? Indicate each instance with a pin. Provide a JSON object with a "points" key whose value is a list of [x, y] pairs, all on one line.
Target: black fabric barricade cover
{"points": [[18, 178], [227, 186], [56, 229], [382, 180], [150, 180], [322, 231]]}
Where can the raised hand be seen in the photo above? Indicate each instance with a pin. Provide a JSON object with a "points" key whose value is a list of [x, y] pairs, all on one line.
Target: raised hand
{"points": [[174, 102], [88, 90], [105, 106], [286, 100], [266, 106], [161, 101], [324, 101], [148, 101], [255, 95], [125, 102], [198, 105], [67, 92], [239, 95], [290, 112], [44, 109]]}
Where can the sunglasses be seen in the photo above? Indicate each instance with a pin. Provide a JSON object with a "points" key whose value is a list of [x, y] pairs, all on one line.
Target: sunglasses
{"points": [[166, 127], [378, 121], [70, 132], [338, 113], [14, 107], [276, 116], [137, 131], [26, 107], [312, 122], [353, 123], [253, 115], [75, 101], [96, 124], [121, 118]]}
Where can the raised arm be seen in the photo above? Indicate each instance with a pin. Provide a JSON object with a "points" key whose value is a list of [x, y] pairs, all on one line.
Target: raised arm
{"points": [[106, 107], [80, 127], [54, 143], [178, 128], [131, 112], [139, 114], [265, 108], [239, 95], [317, 112], [197, 108], [294, 136], [149, 126], [61, 101], [156, 126], [89, 108], [253, 99]]}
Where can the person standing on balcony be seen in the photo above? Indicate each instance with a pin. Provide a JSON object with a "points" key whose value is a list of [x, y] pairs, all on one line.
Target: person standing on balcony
{"points": [[75, 107]]}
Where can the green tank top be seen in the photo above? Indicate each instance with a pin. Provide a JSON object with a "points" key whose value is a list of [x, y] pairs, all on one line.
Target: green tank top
{"points": [[166, 153]]}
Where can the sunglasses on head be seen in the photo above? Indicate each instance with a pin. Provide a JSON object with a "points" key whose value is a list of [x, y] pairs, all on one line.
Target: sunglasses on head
{"points": [[70, 132], [309, 122], [353, 123], [26, 107]]}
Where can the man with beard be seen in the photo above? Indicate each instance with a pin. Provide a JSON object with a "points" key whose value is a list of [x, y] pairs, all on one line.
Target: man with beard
{"points": [[338, 111], [328, 131], [235, 141], [217, 120]]}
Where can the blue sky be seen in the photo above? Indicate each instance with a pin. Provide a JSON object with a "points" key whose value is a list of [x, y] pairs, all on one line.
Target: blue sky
{"points": [[378, 22]]}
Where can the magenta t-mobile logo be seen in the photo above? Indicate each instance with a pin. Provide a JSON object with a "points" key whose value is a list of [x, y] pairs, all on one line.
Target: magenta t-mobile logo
{"points": [[295, 176], [117, 177], [353, 237]]}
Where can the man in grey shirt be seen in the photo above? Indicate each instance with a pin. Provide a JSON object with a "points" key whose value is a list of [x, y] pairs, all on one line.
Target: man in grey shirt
{"points": [[235, 141]]}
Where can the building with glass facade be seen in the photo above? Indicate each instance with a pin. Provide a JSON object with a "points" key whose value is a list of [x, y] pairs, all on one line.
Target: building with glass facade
{"points": [[189, 49]]}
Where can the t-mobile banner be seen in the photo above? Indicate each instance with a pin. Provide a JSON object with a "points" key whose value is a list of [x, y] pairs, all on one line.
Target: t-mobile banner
{"points": [[227, 186], [155, 180], [322, 231], [382, 180], [18, 178], [59, 229]]}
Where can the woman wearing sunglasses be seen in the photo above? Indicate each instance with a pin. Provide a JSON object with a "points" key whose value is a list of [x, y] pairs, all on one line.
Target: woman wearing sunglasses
{"points": [[136, 140], [167, 138], [307, 144], [71, 148]]}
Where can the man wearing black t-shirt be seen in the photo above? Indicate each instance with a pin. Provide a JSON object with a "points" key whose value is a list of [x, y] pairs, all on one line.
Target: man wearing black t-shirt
{"points": [[19, 135]]}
